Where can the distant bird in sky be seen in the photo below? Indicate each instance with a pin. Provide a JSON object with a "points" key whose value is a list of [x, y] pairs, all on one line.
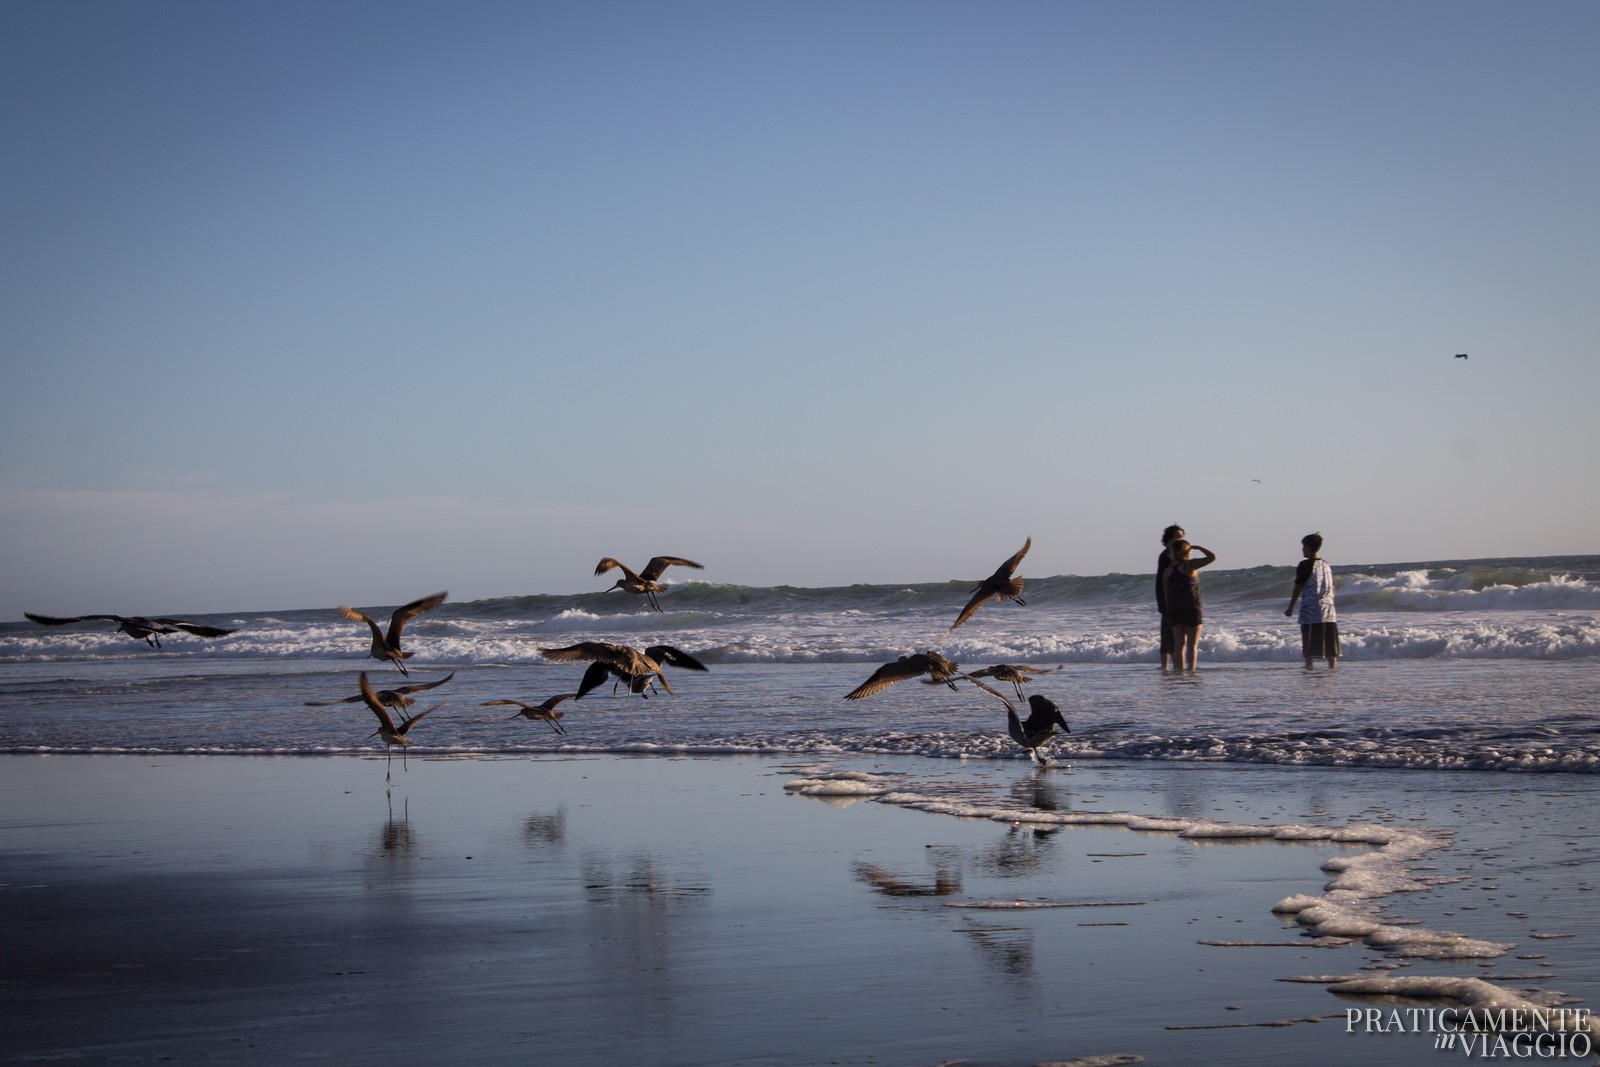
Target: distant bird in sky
{"points": [[1039, 728], [644, 582], [392, 733], [398, 697], [136, 626], [639, 669], [1461, 355], [545, 712], [1001, 585], [386, 647], [1007, 672]]}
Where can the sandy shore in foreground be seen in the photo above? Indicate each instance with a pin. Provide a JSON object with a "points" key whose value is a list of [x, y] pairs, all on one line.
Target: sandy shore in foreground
{"points": [[691, 911]]}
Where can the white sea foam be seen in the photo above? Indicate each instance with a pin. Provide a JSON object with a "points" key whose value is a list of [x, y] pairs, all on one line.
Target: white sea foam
{"points": [[1496, 1004]]}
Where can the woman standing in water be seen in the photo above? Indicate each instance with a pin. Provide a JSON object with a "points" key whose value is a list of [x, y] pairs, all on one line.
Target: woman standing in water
{"points": [[1163, 562], [1183, 600]]}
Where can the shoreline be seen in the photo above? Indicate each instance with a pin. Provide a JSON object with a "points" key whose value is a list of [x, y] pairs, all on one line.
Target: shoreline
{"points": [[706, 910]]}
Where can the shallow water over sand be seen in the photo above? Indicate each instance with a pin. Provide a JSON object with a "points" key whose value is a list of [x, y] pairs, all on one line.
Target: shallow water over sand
{"points": [[585, 909]]}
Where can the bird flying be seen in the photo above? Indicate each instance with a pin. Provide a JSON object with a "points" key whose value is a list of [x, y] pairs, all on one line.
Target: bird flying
{"points": [[643, 582], [386, 647], [392, 733], [1006, 672], [545, 712], [399, 697], [1001, 585], [137, 626], [639, 669]]}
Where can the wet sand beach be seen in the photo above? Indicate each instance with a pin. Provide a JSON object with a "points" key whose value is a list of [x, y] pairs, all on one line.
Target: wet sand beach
{"points": [[609, 909]]}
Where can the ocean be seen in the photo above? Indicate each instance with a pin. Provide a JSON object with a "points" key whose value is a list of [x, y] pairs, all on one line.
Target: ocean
{"points": [[1482, 664], [1250, 864]]}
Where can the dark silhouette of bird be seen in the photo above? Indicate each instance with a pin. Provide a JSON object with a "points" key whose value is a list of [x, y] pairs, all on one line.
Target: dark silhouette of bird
{"points": [[399, 697], [1461, 355], [545, 712], [640, 670], [644, 582], [1006, 672], [392, 733], [940, 670], [1001, 585], [1039, 728], [386, 647], [136, 626]]}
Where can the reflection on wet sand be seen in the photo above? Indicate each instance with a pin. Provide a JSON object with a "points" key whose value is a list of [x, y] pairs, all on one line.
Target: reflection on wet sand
{"points": [[1008, 950], [641, 884], [1020, 853], [893, 885], [1041, 793], [548, 829], [631, 933], [395, 837]]}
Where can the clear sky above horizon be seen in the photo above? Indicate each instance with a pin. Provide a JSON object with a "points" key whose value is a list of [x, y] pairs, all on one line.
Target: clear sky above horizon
{"points": [[308, 303]]}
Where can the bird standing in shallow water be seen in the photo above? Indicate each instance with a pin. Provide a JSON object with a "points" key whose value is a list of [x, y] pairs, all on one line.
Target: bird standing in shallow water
{"points": [[136, 626], [1043, 718], [545, 712], [391, 733], [645, 581], [1001, 585], [399, 697], [386, 647]]}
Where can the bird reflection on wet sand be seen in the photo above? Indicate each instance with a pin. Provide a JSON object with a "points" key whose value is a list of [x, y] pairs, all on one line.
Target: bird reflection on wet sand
{"points": [[395, 836], [1021, 853], [540, 830], [1007, 949], [891, 884], [641, 883]]}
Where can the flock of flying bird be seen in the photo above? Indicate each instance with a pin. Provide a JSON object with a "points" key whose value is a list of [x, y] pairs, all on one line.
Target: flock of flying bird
{"points": [[639, 670]]}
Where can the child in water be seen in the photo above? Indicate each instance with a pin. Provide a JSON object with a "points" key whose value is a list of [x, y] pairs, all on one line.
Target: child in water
{"points": [[1313, 587]]}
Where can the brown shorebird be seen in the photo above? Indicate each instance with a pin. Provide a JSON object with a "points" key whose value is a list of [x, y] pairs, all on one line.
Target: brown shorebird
{"points": [[391, 733], [545, 712], [645, 581], [639, 669], [136, 626], [1016, 675], [386, 647], [1040, 727], [940, 671], [1001, 585], [662, 655], [398, 698]]}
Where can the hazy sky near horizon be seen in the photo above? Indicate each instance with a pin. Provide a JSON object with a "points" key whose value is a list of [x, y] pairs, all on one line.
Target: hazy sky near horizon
{"points": [[307, 303]]}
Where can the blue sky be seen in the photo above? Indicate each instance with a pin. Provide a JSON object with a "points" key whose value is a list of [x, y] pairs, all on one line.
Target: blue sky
{"points": [[316, 303]]}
